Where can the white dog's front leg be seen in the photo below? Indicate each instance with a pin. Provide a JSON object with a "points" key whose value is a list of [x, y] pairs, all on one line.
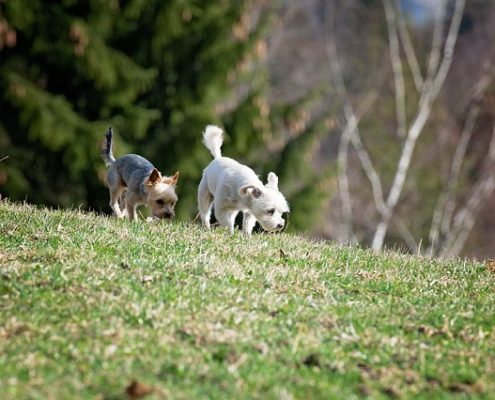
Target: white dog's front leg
{"points": [[248, 222], [226, 218]]}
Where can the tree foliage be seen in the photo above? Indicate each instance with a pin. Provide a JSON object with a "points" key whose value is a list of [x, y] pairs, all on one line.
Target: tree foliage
{"points": [[62, 83], [156, 71]]}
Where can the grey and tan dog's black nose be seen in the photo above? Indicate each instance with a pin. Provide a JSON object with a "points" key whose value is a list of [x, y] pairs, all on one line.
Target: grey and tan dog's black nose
{"points": [[168, 215]]}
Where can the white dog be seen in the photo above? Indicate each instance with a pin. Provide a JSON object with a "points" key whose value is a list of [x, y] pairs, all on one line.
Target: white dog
{"points": [[232, 187]]}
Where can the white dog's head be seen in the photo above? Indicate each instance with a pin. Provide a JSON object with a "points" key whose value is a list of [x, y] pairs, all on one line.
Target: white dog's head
{"points": [[266, 203]]}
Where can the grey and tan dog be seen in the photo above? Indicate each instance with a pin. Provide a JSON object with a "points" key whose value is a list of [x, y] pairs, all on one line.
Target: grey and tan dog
{"points": [[140, 182]]}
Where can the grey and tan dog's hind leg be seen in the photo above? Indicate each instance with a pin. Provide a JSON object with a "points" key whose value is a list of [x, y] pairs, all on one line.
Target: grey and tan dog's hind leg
{"points": [[116, 189]]}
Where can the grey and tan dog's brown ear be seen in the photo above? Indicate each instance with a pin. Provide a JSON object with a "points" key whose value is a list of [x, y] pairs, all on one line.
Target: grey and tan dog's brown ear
{"points": [[172, 180], [154, 178], [250, 190], [272, 181]]}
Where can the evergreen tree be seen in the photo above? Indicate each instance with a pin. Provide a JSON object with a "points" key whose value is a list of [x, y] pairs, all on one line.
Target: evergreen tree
{"points": [[202, 51], [158, 72], [62, 83]]}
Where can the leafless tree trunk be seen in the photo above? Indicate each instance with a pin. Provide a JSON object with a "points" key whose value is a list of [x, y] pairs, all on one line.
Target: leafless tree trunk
{"points": [[433, 83], [449, 229]]}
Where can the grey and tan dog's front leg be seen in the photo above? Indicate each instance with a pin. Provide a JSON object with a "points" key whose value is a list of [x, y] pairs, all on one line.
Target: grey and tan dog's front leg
{"points": [[131, 205], [114, 202]]}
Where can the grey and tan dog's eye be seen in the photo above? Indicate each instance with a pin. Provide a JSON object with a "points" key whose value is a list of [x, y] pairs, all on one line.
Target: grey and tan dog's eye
{"points": [[160, 202]]}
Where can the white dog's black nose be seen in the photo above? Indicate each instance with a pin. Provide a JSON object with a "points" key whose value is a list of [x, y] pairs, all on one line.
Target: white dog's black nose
{"points": [[280, 226]]}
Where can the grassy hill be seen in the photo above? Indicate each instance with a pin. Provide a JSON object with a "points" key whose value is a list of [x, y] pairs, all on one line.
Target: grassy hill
{"points": [[90, 304]]}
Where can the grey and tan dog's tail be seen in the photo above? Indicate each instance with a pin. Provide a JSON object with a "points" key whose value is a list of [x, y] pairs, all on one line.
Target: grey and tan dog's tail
{"points": [[106, 150]]}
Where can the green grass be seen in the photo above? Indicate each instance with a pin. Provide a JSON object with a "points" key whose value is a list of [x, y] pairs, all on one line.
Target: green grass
{"points": [[90, 303]]}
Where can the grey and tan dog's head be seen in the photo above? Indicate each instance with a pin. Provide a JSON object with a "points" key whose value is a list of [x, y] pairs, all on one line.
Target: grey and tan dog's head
{"points": [[161, 197], [266, 203]]}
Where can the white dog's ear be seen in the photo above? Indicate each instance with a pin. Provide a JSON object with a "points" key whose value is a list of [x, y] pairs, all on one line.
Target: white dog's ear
{"points": [[250, 190], [272, 181]]}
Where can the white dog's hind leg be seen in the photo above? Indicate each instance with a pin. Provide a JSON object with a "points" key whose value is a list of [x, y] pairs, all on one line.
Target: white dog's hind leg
{"points": [[248, 222], [205, 202]]}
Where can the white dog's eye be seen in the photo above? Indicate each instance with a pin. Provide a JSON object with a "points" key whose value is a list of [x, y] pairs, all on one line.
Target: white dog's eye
{"points": [[271, 211]]}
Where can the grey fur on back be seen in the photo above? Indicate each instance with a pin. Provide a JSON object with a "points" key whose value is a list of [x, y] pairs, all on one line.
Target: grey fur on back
{"points": [[132, 170]]}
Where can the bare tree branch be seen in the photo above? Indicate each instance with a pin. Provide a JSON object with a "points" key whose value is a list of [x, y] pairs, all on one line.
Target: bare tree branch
{"points": [[466, 217], [436, 43], [351, 132], [344, 193], [446, 202], [444, 210], [425, 104], [400, 90], [448, 53], [346, 231], [410, 53], [362, 153], [369, 170], [406, 235]]}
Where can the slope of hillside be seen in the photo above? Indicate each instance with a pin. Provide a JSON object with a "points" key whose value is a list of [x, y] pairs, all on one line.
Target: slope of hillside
{"points": [[90, 304]]}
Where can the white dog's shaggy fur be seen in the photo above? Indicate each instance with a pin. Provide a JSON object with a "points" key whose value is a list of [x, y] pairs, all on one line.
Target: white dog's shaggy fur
{"points": [[232, 187]]}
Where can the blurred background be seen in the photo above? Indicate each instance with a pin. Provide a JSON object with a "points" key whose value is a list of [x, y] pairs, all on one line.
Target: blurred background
{"points": [[377, 115]]}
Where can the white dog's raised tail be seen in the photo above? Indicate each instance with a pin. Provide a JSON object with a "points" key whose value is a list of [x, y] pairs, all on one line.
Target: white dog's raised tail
{"points": [[213, 139]]}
